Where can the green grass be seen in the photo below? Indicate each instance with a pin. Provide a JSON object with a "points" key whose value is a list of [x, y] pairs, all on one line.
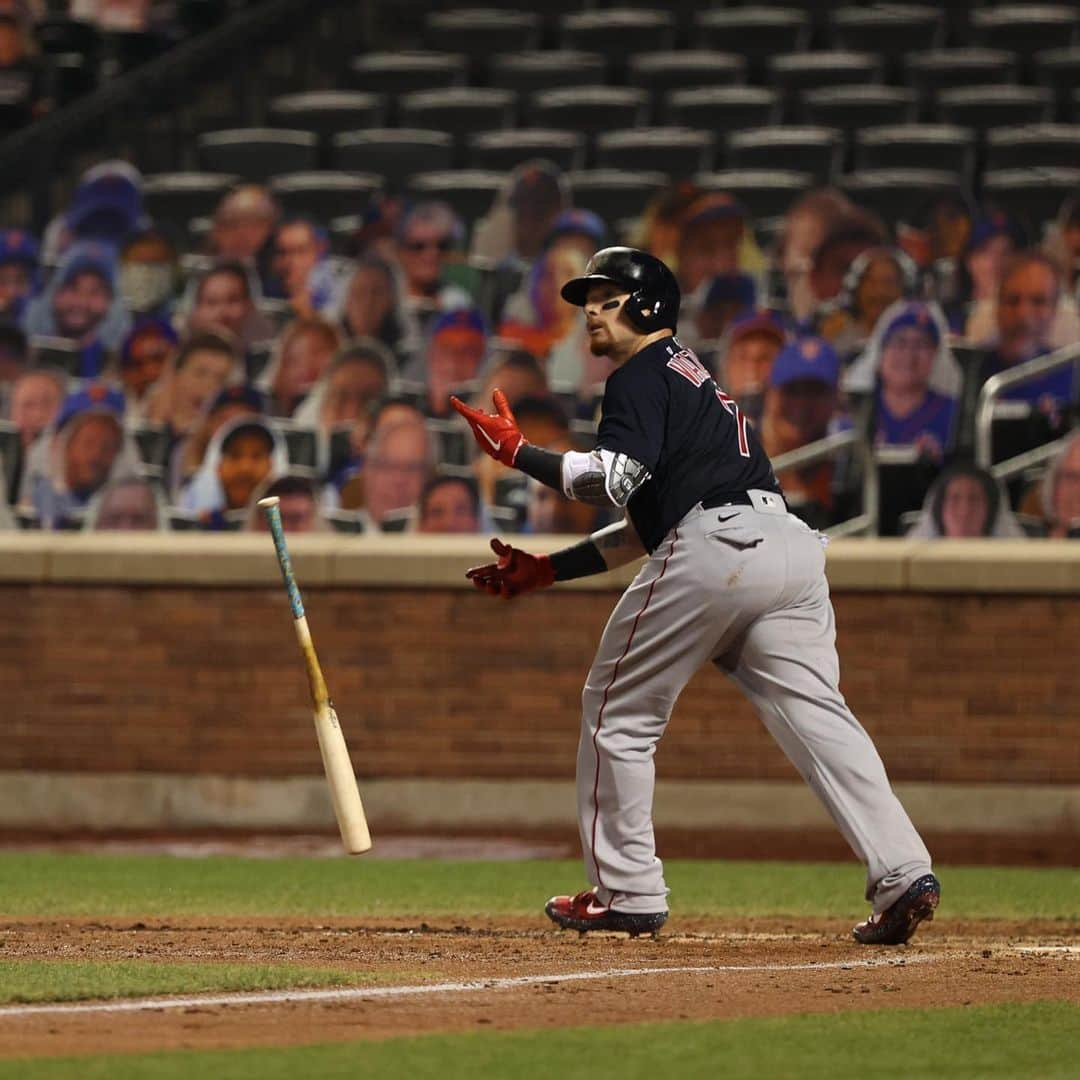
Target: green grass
{"points": [[77, 980], [1007, 1041], [129, 886]]}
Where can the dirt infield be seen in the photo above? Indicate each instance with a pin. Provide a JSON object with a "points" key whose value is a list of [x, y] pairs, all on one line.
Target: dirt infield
{"points": [[517, 973]]}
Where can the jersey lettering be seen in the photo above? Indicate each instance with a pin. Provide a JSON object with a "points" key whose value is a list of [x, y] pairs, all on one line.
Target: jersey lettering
{"points": [[732, 407], [689, 367]]}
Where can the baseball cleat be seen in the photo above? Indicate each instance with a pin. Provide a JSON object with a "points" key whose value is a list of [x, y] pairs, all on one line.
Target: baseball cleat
{"points": [[584, 912], [895, 925]]}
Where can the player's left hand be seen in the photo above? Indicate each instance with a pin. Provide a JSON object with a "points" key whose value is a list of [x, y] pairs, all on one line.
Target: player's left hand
{"points": [[515, 573], [497, 435]]}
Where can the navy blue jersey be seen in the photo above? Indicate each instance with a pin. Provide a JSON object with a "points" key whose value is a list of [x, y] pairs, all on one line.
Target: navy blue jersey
{"points": [[663, 409]]}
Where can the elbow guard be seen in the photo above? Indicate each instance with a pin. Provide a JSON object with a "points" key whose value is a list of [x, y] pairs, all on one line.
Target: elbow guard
{"points": [[601, 477]]}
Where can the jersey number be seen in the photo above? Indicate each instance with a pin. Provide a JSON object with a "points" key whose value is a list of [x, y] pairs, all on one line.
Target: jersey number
{"points": [[689, 367], [740, 420]]}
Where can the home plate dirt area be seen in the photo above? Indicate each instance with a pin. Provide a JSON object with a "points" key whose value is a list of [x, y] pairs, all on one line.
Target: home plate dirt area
{"points": [[515, 973]]}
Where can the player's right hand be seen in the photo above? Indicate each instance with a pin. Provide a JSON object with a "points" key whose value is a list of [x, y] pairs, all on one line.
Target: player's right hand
{"points": [[515, 573]]}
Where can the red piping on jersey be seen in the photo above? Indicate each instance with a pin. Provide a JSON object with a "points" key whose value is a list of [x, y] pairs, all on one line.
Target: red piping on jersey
{"points": [[603, 703]]}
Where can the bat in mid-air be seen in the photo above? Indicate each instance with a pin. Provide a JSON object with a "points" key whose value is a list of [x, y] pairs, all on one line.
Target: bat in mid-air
{"points": [[348, 808]]}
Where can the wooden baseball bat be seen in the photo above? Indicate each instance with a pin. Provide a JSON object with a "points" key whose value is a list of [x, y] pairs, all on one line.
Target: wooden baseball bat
{"points": [[348, 808]]}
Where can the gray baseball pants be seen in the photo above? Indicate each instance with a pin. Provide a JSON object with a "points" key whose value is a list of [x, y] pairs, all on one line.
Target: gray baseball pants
{"points": [[745, 587]]}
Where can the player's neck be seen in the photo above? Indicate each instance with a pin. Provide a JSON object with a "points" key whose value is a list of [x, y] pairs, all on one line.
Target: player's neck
{"points": [[635, 345]]}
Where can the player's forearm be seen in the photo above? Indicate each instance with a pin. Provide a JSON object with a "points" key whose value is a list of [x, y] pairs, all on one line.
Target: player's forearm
{"points": [[605, 550], [542, 465]]}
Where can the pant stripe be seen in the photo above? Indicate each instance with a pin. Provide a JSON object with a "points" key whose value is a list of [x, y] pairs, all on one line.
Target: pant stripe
{"points": [[604, 701]]}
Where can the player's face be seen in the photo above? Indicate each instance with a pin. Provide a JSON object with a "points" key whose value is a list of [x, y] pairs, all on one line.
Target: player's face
{"points": [[964, 508], [609, 333], [907, 359]]}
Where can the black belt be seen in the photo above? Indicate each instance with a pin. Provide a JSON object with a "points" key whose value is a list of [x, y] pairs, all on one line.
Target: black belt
{"points": [[738, 498]]}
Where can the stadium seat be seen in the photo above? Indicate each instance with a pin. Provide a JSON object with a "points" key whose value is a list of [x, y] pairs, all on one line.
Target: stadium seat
{"points": [[54, 34], [407, 72], [503, 150], [301, 443], [459, 111], [72, 75], [851, 108], [721, 108], [393, 153], [257, 153], [897, 194], [904, 477], [813, 150], [481, 33], [325, 195], [10, 456], [887, 29], [793, 74], [453, 444], [756, 32], [129, 49], [1025, 28], [1059, 69], [1032, 195], [546, 69], [615, 194], [930, 72], [173, 199], [153, 443], [1034, 146], [470, 192], [682, 151], [911, 146], [617, 32], [589, 109], [983, 107], [326, 112], [681, 69], [766, 193], [56, 352]]}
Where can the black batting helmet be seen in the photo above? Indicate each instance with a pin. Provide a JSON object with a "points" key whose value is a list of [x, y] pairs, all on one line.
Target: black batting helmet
{"points": [[654, 292]]}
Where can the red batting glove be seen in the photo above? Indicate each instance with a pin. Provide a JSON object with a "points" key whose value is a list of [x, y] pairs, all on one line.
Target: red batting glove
{"points": [[497, 435], [515, 573]]}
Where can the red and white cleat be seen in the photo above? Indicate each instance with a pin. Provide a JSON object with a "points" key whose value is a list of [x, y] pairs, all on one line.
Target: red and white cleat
{"points": [[584, 912]]}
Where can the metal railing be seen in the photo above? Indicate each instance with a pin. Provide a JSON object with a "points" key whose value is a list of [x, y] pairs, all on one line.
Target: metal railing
{"points": [[828, 449], [997, 384]]}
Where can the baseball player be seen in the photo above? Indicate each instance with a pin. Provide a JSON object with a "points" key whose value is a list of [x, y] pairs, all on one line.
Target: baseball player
{"points": [[730, 577]]}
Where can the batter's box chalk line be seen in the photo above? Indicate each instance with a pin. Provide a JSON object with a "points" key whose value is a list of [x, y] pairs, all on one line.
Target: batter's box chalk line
{"points": [[357, 993]]}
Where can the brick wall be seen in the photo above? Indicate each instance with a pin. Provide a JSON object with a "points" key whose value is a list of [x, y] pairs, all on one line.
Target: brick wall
{"points": [[446, 683]]}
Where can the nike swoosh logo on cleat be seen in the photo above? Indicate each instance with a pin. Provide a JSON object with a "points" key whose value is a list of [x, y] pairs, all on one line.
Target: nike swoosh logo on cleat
{"points": [[593, 910], [491, 442]]}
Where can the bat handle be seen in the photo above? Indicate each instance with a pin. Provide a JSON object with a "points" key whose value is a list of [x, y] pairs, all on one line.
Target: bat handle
{"points": [[273, 516]]}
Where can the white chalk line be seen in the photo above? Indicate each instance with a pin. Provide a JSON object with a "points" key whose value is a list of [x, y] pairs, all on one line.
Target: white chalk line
{"points": [[358, 993]]}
